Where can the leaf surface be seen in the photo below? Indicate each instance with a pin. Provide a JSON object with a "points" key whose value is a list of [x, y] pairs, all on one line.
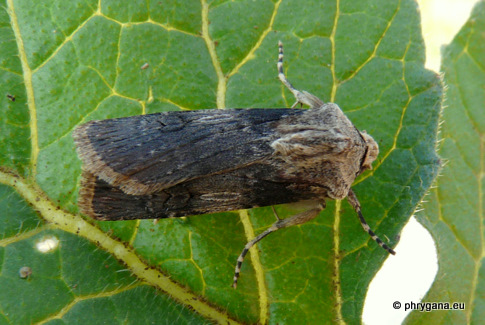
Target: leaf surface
{"points": [[454, 211], [71, 62]]}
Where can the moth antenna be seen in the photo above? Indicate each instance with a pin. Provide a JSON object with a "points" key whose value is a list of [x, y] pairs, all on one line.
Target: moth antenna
{"points": [[352, 198], [297, 219], [302, 97]]}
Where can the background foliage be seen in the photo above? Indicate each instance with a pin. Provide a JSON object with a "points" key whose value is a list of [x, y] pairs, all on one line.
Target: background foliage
{"points": [[454, 211]]}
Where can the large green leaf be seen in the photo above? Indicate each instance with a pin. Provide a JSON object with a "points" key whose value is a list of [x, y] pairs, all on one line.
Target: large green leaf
{"points": [[68, 62], [454, 212]]}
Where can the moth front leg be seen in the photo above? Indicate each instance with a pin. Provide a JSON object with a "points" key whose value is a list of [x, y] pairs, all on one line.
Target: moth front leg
{"points": [[354, 202], [302, 97], [297, 219]]}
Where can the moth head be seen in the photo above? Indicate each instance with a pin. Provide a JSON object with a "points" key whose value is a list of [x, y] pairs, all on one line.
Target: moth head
{"points": [[371, 153]]}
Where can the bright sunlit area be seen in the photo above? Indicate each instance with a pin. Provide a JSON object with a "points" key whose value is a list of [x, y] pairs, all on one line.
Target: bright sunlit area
{"points": [[407, 276]]}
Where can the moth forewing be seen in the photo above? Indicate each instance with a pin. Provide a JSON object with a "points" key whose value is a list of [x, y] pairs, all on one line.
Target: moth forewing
{"points": [[175, 164]]}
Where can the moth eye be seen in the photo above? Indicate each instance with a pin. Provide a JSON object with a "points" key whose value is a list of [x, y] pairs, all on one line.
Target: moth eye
{"points": [[372, 151]]}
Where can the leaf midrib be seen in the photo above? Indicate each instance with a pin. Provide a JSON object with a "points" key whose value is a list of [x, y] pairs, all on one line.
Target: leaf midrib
{"points": [[75, 224]]}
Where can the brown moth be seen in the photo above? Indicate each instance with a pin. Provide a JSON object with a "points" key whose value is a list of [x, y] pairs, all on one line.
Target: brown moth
{"points": [[176, 164]]}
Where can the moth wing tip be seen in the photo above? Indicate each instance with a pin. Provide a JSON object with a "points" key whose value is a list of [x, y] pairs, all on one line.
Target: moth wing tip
{"points": [[81, 131]]}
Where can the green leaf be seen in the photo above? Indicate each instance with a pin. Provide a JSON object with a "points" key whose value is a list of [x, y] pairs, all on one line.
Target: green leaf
{"points": [[70, 62], [454, 212]]}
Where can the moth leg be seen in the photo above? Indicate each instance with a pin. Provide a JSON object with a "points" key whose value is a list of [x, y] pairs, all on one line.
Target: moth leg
{"points": [[302, 97], [275, 214], [297, 219], [354, 202]]}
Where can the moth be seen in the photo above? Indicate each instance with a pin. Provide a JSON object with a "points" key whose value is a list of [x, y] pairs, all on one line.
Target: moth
{"points": [[184, 163]]}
